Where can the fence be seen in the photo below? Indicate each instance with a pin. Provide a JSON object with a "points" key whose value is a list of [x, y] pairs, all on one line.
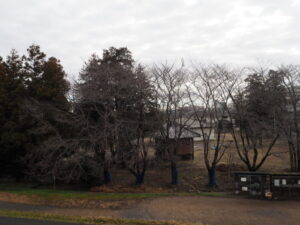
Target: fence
{"points": [[267, 185]]}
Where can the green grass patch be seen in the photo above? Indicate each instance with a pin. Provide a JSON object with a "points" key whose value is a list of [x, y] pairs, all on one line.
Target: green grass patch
{"points": [[81, 220]]}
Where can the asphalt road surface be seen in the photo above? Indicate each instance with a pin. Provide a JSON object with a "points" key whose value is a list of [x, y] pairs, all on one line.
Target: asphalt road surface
{"points": [[15, 221]]}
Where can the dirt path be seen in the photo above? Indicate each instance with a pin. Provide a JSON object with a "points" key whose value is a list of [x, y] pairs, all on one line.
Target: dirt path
{"points": [[205, 210]]}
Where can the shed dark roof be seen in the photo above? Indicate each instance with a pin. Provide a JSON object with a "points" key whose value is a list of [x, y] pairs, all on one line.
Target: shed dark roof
{"points": [[185, 133]]}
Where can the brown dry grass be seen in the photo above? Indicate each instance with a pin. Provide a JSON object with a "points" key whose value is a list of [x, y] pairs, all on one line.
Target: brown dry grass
{"points": [[192, 173], [66, 202]]}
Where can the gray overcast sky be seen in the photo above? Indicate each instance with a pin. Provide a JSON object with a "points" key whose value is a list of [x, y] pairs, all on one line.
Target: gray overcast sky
{"points": [[237, 32]]}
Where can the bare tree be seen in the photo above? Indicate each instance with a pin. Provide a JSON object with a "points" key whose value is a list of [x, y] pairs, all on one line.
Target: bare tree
{"points": [[60, 160], [169, 82], [136, 157], [290, 123], [97, 135], [209, 100], [115, 99], [96, 95], [253, 113], [139, 129], [58, 155]]}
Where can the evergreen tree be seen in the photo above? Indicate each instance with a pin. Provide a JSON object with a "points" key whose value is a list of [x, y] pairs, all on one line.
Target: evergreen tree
{"points": [[24, 81], [116, 99], [45, 77], [12, 138]]}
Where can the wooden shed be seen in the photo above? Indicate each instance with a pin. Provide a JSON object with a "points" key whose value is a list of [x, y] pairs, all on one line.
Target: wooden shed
{"points": [[183, 145]]}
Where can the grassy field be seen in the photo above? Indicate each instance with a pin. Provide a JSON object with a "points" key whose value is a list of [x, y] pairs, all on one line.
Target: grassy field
{"points": [[68, 198], [123, 193], [193, 174], [192, 181], [192, 178], [82, 220], [69, 194]]}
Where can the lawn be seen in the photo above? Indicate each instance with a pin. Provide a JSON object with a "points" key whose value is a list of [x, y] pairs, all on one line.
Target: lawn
{"points": [[82, 220], [69, 194]]}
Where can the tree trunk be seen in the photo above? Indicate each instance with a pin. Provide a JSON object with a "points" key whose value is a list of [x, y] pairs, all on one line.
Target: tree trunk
{"points": [[18, 174], [292, 158], [260, 142], [298, 158], [107, 176], [139, 178], [174, 174], [212, 182]]}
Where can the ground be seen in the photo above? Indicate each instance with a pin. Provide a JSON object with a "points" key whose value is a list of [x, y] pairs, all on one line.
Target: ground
{"points": [[188, 209], [193, 174], [189, 202]]}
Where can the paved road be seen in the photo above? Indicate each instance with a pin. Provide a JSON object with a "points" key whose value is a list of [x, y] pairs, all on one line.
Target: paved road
{"points": [[14, 221], [203, 210]]}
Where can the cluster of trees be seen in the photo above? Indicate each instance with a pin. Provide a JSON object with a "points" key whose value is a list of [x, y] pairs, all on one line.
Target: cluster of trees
{"points": [[266, 109], [25, 81], [116, 110]]}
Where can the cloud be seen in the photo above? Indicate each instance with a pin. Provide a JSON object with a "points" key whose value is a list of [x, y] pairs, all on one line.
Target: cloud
{"points": [[234, 31]]}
